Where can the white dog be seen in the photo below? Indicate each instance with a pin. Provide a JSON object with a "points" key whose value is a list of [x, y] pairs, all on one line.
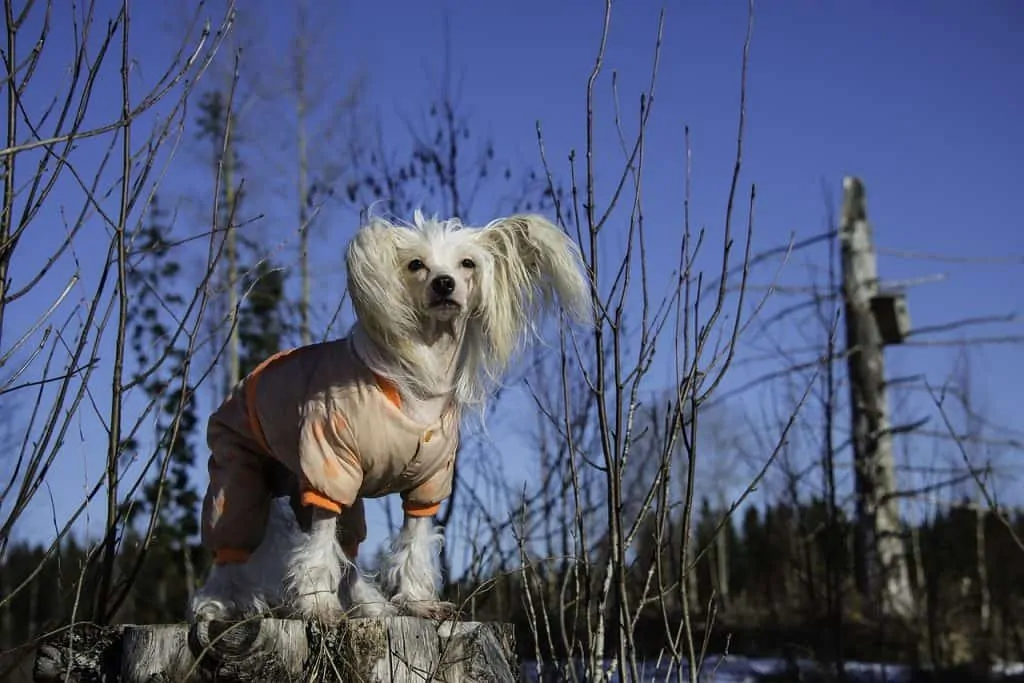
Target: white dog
{"points": [[442, 309]]}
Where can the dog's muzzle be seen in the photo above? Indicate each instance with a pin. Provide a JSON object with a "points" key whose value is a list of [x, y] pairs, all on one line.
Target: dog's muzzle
{"points": [[441, 289], [443, 286]]}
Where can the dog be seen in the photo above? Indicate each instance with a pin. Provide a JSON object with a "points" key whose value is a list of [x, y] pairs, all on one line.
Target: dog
{"points": [[442, 310]]}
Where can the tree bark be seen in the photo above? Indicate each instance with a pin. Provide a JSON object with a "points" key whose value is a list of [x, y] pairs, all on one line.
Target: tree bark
{"points": [[880, 559]]}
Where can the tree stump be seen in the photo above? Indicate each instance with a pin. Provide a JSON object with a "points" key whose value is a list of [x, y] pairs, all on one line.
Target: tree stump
{"points": [[399, 649]]}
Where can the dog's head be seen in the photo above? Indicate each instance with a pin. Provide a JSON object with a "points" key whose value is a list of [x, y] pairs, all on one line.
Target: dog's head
{"points": [[442, 267], [488, 284], [402, 278]]}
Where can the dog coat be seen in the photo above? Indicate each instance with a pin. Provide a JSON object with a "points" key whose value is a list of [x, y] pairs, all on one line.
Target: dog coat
{"points": [[338, 428]]}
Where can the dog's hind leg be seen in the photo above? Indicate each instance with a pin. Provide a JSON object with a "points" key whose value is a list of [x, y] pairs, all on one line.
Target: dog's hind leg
{"points": [[415, 570], [221, 596], [315, 570], [251, 587]]}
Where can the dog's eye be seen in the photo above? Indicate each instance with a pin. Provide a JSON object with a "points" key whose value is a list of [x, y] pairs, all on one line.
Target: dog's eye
{"points": [[468, 263], [416, 264]]}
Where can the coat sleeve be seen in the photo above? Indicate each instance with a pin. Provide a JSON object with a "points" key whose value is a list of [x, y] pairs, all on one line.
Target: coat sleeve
{"points": [[424, 500], [332, 472]]}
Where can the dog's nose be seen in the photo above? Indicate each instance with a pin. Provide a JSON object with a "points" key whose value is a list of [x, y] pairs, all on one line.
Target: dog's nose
{"points": [[443, 285]]}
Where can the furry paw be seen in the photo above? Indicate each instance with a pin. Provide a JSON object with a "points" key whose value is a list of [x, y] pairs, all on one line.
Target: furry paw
{"points": [[323, 607], [210, 608], [223, 597], [313, 594], [435, 610], [373, 610], [364, 597]]}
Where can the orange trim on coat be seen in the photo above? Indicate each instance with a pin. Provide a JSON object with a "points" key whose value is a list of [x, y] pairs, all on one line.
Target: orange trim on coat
{"points": [[231, 556], [390, 390], [311, 497], [420, 509], [250, 397]]}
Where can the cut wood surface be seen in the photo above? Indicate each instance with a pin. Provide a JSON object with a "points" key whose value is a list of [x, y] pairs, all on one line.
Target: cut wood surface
{"points": [[395, 649]]}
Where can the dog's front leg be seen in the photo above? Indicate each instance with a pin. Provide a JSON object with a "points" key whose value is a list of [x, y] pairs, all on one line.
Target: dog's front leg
{"points": [[315, 570], [364, 599], [415, 570]]}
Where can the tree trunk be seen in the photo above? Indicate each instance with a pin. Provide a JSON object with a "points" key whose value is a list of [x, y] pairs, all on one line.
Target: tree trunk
{"points": [[926, 646], [395, 649], [880, 568], [985, 593]]}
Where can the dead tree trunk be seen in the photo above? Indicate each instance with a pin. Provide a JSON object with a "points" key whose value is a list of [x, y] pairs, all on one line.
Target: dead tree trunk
{"points": [[399, 649], [880, 568]]}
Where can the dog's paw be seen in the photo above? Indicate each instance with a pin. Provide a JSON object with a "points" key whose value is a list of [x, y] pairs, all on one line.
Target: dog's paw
{"points": [[214, 607], [312, 593], [323, 607], [364, 598], [436, 610], [210, 608], [218, 598], [373, 610]]}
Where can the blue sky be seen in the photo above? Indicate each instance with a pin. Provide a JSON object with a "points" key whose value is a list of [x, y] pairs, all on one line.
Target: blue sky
{"points": [[920, 98]]}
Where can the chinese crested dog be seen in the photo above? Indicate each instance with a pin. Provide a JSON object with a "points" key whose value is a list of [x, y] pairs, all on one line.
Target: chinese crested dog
{"points": [[442, 309]]}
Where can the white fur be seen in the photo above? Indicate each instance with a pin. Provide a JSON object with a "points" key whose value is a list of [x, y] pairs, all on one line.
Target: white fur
{"points": [[414, 569], [439, 345], [249, 589], [523, 265], [364, 598], [315, 568]]}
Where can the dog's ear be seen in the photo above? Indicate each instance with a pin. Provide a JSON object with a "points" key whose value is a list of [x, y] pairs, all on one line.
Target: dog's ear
{"points": [[374, 281], [537, 259], [531, 266]]}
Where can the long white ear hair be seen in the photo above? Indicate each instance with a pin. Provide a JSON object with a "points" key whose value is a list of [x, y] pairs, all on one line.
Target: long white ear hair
{"points": [[534, 268], [375, 285]]}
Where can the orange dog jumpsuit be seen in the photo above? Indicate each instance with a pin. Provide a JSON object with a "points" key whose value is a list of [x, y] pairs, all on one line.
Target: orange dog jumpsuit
{"points": [[322, 414]]}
